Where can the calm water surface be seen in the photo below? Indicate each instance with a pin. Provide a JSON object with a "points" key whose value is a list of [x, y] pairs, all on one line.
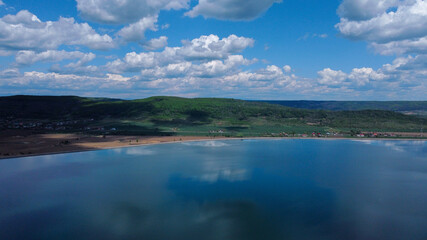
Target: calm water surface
{"points": [[251, 189]]}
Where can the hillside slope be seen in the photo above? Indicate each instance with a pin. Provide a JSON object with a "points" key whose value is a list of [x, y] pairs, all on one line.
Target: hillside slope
{"points": [[398, 106], [173, 114]]}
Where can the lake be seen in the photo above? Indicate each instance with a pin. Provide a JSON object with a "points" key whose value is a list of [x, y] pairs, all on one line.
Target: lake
{"points": [[237, 189]]}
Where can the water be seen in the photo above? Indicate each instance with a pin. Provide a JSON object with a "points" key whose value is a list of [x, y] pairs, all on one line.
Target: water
{"points": [[251, 189]]}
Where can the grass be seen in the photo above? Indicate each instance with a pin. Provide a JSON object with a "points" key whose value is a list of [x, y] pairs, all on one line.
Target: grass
{"points": [[202, 116]]}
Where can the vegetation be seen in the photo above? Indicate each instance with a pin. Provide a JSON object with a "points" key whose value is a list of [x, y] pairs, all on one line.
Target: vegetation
{"points": [[414, 107], [201, 116]]}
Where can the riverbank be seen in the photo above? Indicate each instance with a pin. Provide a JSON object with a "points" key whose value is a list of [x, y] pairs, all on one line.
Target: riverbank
{"points": [[42, 144]]}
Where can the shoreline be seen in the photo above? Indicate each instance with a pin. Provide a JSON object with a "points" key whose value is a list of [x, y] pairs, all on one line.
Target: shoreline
{"points": [[52, 144]]}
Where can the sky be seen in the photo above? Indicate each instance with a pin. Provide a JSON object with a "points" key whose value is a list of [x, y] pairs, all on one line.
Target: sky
{"points": [[246, 49]]}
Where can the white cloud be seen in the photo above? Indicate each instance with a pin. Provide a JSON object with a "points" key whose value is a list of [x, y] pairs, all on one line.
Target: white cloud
{"points": [[331, 77], [205, 48], [165, 26], [211, 47], [156, 43], [401, 47], [25, 31], [27, 57], [138, 15], [364, 9], [403, 79], [136, 31], [409, 21], [231, 9], [125, 11], [69, 82], [313, 35], [362, 76], [9, 73], [79, 67], [357, 78], [403, 30], [210, 69], [1, 3], [390, 27], [76, 69], [417, 66], [207, 144], [269, 79], [287, 68], [134, 62], [117, 77]]}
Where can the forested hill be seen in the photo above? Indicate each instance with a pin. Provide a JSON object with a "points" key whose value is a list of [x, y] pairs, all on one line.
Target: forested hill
{"points": [[200, 114], [398, 106]]}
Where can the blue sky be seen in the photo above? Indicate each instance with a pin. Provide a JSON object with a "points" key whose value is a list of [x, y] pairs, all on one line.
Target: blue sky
{"points": [[248, 49]]}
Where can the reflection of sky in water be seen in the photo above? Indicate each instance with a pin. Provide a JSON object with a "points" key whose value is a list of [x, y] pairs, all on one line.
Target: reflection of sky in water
{"points": [[141, 151], [207, 144], [251, 189], [400, 146]]}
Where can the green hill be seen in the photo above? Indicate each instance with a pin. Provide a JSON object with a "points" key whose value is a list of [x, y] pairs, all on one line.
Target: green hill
{"points": [[200, 116], [410, 107]]}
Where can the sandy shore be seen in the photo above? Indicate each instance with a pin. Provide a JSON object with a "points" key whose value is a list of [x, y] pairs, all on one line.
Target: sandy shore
{"points": [[20, 146], [40, 144]]}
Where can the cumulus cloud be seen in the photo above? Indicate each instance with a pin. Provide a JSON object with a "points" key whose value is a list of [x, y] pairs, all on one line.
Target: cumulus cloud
{"points": [[211, 47], [125, 11], [138, 15], [409, 21], [331, 77], [404, 74], [211, 69], [25, 31], [403, 78], [364, 9], [231, 9], [117, 77], [80, 67], [57, 82], [136, 31], [392, 27], [358, 77], [287, 68], [362, 76], [402, 47], [205, 48], [156, 43], [27, 57], [262, 81], [414, 65]]}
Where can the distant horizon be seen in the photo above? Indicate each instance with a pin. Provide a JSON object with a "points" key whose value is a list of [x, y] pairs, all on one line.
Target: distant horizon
{"points": [[285, 100], [339, 50]]}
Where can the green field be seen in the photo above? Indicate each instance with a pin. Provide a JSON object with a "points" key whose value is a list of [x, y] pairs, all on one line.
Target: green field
{"points": [[397, 106], [200, 116]]}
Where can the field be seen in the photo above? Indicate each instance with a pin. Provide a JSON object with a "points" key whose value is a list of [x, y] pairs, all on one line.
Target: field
{"points": [[173, 116], [409, 107]]}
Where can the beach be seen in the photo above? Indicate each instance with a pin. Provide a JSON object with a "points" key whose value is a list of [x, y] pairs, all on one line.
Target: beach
{"points": [[40, 144], [22, 145]]}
